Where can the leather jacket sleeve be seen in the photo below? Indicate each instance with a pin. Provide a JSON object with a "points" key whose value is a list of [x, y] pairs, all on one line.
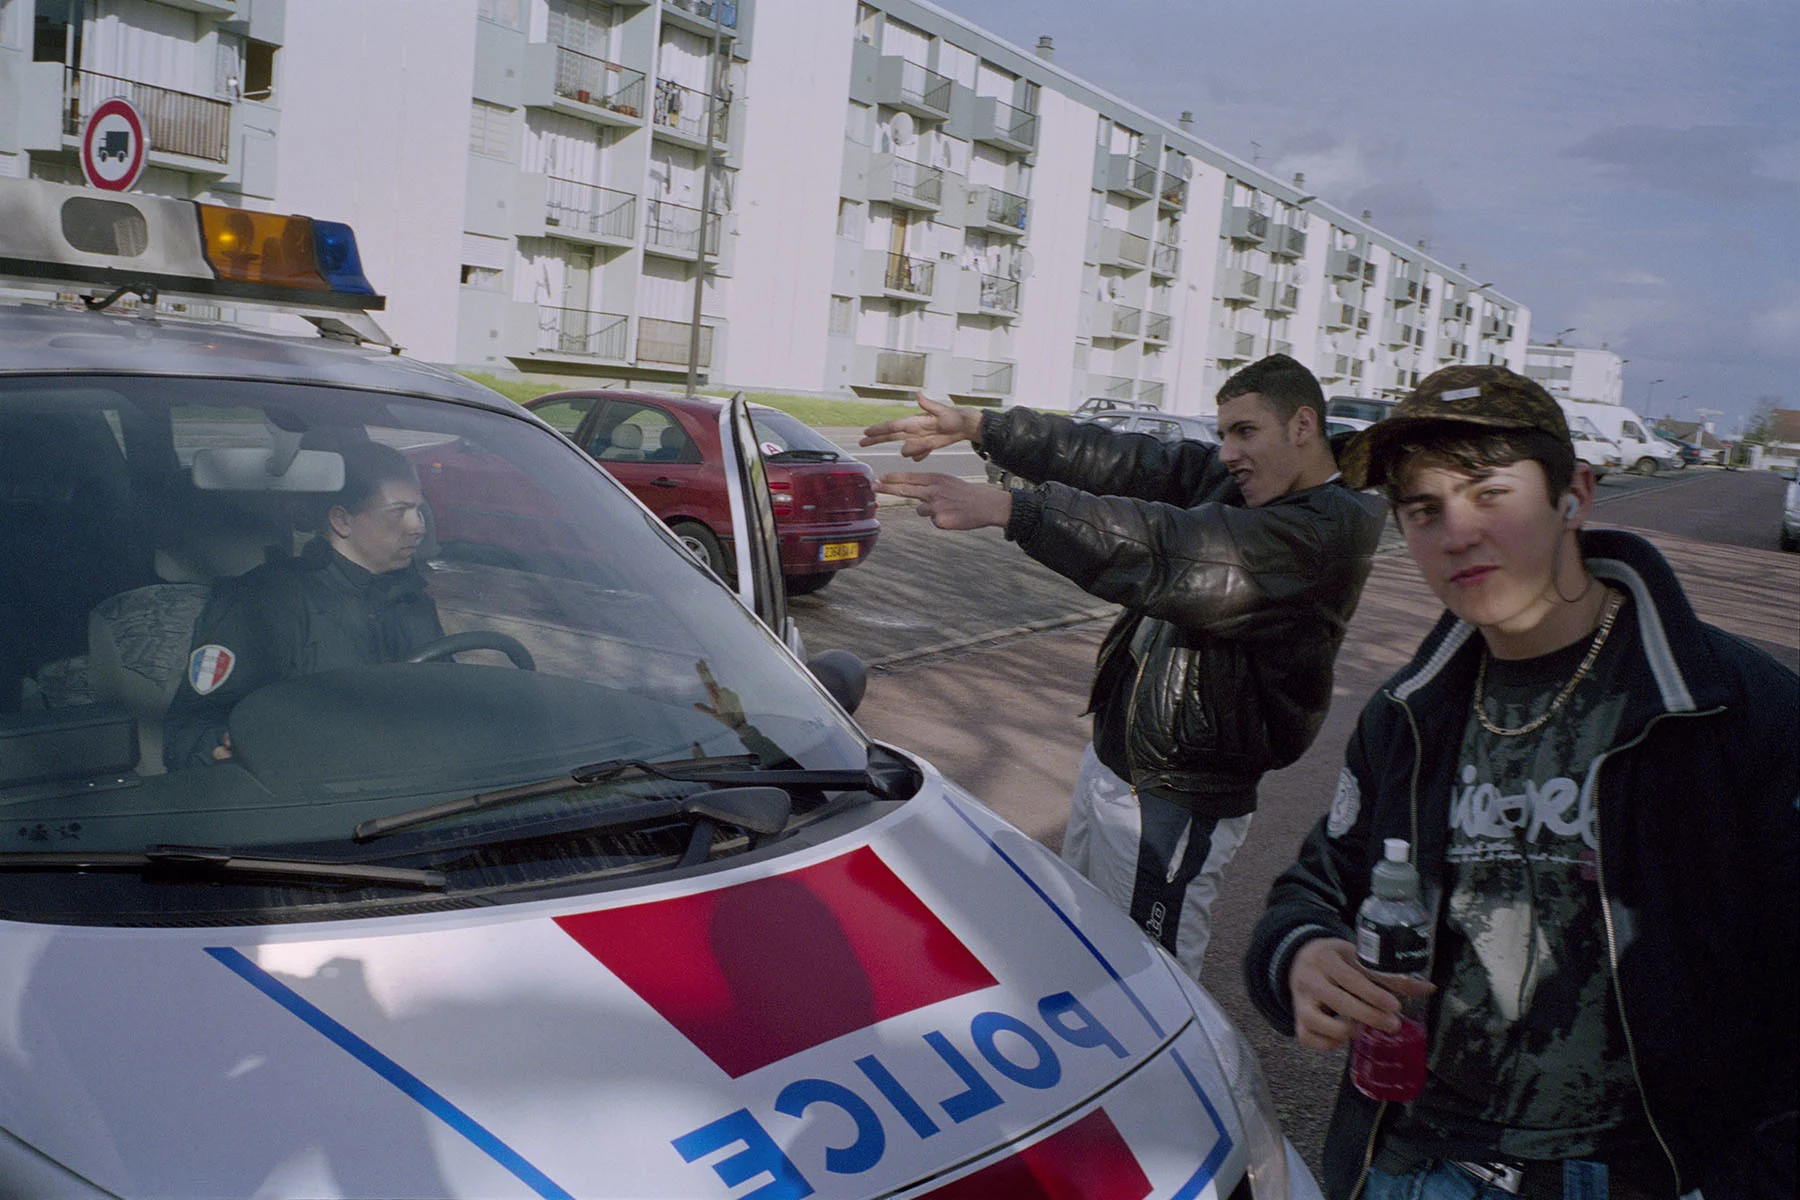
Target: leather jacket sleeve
{"points": [[1047, 448]]}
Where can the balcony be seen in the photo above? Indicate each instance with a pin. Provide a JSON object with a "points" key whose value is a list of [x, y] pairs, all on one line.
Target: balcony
{"points": [[1228, 345], [1157, 326], [1113, 387], [987, 377], [673, 230], [1151, 392], [581, 333], [899, 277], [1402, 290], [681, 111], [700, 14], [591, 86], [1000, 124], [667, 343], [588, 213], [1241, 286], [903, 182], [1119, 321], [1451, 351], [1119, 248], [174, 122], [1356, 368], [1165, 261], [1339, 316], [996, 211], [1131, 177], [1397, 333], [908, 86], [900, 368], [1362, 322], [988, 295], [1344, 264], [1337, 366], [1496, 327], [1246, 225], [1282, 297], [1277, 346], [1286, 242], [1174, 191]]}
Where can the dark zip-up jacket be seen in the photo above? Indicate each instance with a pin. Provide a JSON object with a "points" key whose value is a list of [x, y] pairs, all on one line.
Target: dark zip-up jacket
{"points": [[314, 612], [1698, 858], [1235, 679]]}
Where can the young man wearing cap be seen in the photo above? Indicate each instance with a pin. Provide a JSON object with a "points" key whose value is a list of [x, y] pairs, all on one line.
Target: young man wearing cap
{"points": [[1237, 566], [1601, 796]]}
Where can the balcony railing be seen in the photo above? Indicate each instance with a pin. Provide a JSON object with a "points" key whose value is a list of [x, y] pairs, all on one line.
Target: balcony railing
{"points": [[1164, 260], [595, 81], [683, 109], [1286, 241], [916, 88], [1340, 316], [1123, 248], [578, 331], [1246, 225], [1126, 321], [589, 210], [1151, 392], [1232, 344], [1131, 176], [676, 227], [1241, 286], [1116, 387], [912, 276], [1174, 191], [174, 122], [1006, 209], [1402, 290], [916, 184], [993, 378], [1345, 264], [1000, 123], [1157, 326], [1283, 297], [999, 294], [667, 342], [705, 9], [900, 368]]}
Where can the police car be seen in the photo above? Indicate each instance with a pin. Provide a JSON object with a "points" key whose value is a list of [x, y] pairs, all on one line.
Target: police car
{"points": [[602, 894]]}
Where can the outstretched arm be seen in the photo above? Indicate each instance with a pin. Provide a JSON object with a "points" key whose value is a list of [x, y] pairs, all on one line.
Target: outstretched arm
{"points": [[951, 503], [940, 425]]}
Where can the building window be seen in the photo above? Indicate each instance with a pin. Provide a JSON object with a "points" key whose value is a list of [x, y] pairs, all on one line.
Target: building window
{"points": [[490, 130], [483, 279], [500, 12], [843, 316]]}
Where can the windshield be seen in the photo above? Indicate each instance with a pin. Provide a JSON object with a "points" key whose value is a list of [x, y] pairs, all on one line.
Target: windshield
{"points": [[256, 616], [1360, 410]]}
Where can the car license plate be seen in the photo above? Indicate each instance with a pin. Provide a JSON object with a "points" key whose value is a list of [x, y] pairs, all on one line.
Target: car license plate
{"points": [[834, 551]]}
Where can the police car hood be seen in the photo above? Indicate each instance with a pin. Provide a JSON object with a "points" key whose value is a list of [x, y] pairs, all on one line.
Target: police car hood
{"points": [[933, 996]]}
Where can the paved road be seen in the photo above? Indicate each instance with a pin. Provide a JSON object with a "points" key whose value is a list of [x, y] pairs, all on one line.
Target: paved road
{"points": [[1003, 718]]}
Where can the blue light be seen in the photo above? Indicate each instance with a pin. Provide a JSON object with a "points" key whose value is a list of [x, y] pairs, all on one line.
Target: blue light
{"points": [[335, 244]]}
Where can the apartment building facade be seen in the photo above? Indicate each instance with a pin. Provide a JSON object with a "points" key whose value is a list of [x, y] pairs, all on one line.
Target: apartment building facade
{"points": [[861, 195], [1576, 372]]}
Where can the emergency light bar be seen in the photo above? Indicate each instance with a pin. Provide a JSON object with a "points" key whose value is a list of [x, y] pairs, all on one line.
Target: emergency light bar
{"points": [[58, 233]]}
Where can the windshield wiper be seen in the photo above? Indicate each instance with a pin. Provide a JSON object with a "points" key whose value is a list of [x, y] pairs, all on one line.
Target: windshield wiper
{"points": [[212, 861], [678, 769]]}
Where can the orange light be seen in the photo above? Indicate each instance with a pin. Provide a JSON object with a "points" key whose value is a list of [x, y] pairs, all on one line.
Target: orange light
{"points": [[264, 248]]}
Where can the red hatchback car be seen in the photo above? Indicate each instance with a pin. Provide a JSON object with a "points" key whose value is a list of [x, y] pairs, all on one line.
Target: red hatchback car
{"points": [[665, 450]]}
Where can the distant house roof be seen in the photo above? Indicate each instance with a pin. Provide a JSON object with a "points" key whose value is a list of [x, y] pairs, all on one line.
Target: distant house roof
{"points": [[1784, 426]]}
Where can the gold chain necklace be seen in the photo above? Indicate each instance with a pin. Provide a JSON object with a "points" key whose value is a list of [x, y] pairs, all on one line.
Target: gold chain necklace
{"points": [[1613, 603]]}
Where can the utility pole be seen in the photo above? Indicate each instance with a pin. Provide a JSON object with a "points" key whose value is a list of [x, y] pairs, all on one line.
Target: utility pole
{"points": [[717, 76]]}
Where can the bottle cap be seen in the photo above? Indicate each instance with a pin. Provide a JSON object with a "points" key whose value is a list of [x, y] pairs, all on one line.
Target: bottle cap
{"points": [[1394, 849]]}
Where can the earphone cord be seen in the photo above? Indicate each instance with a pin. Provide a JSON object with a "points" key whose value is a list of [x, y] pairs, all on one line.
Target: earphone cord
{"points": [[1556, 574]]}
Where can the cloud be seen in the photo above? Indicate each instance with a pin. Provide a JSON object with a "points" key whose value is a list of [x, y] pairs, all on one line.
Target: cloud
{"points": [[1705, 162]]}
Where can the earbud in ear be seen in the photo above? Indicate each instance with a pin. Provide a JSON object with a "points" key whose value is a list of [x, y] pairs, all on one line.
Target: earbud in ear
{"points": [[1570, 507]]}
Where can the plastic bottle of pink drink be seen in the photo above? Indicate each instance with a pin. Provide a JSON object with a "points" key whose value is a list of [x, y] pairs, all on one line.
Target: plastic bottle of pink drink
{"points": [[1393, 937]]}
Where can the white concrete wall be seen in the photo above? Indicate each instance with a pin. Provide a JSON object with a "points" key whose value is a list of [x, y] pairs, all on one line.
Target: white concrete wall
{"points": [[374, 132], [1061, 189], [798, 89]]}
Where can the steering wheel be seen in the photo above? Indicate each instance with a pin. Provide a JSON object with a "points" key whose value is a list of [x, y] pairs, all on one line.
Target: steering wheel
{"points": [[475, 639]]}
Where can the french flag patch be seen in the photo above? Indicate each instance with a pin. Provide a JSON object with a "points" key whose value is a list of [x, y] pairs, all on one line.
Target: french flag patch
{"points": [[209, 667]]}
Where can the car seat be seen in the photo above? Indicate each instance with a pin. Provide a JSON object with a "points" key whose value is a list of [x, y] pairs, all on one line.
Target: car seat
{"points": [[670, 445], [627, 444]]}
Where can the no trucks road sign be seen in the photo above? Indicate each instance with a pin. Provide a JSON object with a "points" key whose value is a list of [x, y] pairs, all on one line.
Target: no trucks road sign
{"points": [[114, 146]]}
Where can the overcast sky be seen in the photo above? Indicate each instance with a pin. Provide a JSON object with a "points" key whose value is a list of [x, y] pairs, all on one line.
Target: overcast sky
{"points": [[1627, 167]]}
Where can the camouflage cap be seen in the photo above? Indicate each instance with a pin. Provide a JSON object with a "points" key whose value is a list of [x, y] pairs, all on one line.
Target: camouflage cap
{"points": [[1465, 394]]}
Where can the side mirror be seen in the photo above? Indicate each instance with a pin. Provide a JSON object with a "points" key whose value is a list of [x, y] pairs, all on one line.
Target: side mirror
{"points": [[842, 675]]}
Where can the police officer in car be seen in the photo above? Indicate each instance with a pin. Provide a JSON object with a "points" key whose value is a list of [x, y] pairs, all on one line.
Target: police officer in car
{"points": [[352, 597]]}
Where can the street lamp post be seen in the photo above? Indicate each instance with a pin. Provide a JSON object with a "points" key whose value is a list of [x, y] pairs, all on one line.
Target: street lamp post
{"points": [[1570, 329], [1649, 392]]}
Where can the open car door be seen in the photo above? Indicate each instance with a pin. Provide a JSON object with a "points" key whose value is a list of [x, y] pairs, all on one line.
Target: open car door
{"points": [[757, 545]]}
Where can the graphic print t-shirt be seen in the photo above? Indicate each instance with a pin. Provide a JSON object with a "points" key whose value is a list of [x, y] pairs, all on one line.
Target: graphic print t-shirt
{"points": [[1528, 1060]]}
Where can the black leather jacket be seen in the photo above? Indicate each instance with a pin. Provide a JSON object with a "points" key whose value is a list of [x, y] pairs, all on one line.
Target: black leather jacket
{"points": [[1698, 833], [1250, 603], [293, 617]]}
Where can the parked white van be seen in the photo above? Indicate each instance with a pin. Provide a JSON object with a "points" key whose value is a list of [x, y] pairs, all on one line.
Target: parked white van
{"points": [[1643, 452]]}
